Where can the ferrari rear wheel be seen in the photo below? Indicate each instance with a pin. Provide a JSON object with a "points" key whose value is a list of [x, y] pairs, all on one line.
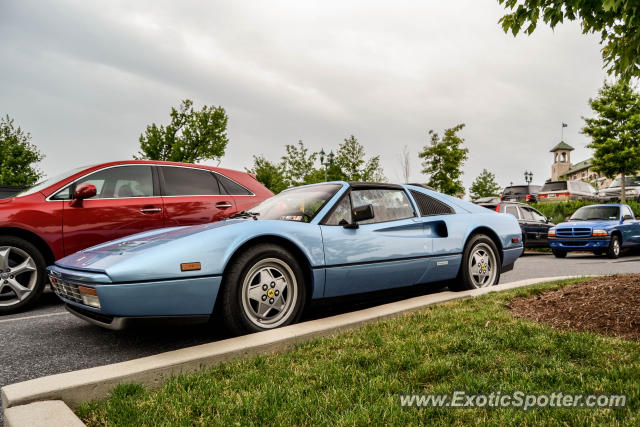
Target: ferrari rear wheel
{"points": [[263, 289], [480, 264], [22, 277]]}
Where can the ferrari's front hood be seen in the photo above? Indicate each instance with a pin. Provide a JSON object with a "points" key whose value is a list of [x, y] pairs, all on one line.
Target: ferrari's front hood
{"points": [[159, 254], [101, 257]]}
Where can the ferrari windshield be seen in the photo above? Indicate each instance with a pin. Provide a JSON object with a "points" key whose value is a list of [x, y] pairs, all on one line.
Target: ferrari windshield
{"points": [[298, 204], [588, 213]]}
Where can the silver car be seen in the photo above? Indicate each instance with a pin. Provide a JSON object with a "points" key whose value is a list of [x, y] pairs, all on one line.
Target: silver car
{"points": [[612, 192], [553, 191]]}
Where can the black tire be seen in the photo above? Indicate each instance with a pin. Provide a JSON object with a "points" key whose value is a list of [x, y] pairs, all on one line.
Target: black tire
{"points": [[238, 309], [9, 300], [466, 279], [559, 254], [613, 251]]}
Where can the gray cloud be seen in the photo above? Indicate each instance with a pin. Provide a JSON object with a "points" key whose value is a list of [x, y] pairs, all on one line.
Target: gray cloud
{"points": [[86, 77]]}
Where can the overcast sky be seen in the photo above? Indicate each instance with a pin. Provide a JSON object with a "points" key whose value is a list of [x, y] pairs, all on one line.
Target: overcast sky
{"points": [[85, 78]]}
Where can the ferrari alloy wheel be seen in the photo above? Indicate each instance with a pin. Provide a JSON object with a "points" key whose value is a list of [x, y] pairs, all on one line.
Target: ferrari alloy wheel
{"points": [[269, 292], [21, 274], [614, 247], [262, 289], [480, 264]]}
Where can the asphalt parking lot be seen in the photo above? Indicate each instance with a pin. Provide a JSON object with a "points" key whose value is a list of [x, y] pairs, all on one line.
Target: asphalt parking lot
{"points": [[48, 340]]}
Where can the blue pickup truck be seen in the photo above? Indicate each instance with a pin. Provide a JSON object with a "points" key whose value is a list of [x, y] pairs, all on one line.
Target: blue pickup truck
{"points": [[596, 228]]}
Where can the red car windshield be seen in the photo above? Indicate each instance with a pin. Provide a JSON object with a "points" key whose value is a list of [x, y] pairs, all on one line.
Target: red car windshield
{"points": [[50, 181]]}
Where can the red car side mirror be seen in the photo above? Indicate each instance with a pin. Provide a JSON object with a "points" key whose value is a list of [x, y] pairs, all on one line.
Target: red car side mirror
{"points": [[84, 191]]}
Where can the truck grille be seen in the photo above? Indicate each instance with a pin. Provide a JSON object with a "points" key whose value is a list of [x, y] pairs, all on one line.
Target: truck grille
{"points": [[65, 289], [573, 232]]}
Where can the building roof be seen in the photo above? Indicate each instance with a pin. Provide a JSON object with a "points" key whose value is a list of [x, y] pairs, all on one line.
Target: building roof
{"points": [[561, 146], [578, 167]]}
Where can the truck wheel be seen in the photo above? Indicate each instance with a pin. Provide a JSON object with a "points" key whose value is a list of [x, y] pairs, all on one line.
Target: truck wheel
{"points": [[22, 274], [613, 251]]}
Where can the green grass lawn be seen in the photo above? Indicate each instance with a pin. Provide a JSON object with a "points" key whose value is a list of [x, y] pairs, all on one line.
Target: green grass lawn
{"points": [[354, 378]]}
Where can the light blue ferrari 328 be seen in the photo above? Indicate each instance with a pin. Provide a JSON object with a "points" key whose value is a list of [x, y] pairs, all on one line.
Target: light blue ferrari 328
{"points": [[259, 269]]}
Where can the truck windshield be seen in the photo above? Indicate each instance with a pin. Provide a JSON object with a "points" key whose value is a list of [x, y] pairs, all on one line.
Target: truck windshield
{"points": [[588, 213]]}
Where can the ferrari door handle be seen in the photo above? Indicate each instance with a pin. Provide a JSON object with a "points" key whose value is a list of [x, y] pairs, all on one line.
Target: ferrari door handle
{"points": [[223, 205], [150, 210]]}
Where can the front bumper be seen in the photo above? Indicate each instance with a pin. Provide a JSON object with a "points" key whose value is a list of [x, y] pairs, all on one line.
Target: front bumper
{"points": [[192, 296], [587, 244]]}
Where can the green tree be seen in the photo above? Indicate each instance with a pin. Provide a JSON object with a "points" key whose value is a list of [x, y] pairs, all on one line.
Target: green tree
{"points": [[17, 156], [297, 164], [615, 131], [350, 160], [443, 161], [192, 136], [617, 22], [485, 185], [269, 174]]}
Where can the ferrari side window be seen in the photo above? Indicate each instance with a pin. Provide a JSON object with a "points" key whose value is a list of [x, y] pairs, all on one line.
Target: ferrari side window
{"points": [[341, 214], [388, 204]]}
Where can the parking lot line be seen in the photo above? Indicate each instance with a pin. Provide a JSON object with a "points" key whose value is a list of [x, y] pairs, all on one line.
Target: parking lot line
{"points": [[33, 317]]}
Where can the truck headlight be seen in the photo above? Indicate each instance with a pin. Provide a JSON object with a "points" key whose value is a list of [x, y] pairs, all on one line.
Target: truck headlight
{"points": [[551, 232], [599, 233]]}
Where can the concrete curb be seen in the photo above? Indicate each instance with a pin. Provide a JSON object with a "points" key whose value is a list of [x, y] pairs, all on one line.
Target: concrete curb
{"points": [[41, 414], [74, 388]]}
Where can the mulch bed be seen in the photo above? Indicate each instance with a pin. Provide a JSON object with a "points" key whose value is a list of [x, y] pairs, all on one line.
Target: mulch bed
{"points": [[607, 305]]}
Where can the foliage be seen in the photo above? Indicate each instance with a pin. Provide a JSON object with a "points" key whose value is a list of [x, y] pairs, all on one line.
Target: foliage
{"points": [[443, 161], [297, 167], [350, 159], [558, 211], [353, 378], [297, 164], [615, 131], [192, 135], [617, 22], [269, 174], [17, 156], [485, 185]]}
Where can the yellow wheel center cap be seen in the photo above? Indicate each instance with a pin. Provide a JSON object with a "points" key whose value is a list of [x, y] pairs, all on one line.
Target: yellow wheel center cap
{"points": [[271, 293]]}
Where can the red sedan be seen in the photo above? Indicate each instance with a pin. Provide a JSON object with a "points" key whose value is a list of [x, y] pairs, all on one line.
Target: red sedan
{"points": [[91, 205]]}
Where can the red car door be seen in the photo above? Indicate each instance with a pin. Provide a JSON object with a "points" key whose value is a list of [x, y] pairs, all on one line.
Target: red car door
{"points": [[127, 202], [193, 196]]}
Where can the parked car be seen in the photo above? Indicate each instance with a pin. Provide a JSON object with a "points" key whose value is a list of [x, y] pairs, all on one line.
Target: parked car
{"points": [[310, 242], [613, 191], [596, 228], [566, 190], [533, 224], [520, 193], [91, 205], [486, 200]]}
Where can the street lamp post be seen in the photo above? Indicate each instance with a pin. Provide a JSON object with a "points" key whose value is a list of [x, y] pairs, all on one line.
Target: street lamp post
{"points": [[528, 177], [326, 164]]}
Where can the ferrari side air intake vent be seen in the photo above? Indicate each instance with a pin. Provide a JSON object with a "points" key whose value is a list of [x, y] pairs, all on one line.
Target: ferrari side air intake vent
{"points": [[430, 206]]}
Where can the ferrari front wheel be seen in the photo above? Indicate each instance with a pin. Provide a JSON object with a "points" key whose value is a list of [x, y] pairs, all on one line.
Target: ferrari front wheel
{"points": [[262, 289]]}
